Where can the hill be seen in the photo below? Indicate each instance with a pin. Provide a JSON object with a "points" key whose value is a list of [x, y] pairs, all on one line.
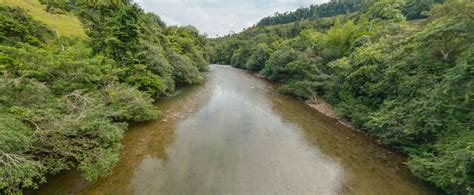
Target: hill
{"points": [[412, 9], [64, 24], [408, 82], [66, 102]]}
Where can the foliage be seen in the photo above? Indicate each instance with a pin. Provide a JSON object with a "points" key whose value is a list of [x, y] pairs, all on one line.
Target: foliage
{"points": [[17, 26], [408, 83], [183, 71], [332, 8], [258, 58], [412, 9], [155, 57], [65, 102], [387, 10], [62, 23], [415, 9]]}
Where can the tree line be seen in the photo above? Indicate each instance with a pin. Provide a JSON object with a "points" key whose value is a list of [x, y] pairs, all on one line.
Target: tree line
{"points": [[408, 82], [413, 9], [65, 103]]}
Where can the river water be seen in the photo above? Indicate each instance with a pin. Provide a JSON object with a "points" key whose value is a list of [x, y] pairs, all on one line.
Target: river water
{"points": [[236, 135]]}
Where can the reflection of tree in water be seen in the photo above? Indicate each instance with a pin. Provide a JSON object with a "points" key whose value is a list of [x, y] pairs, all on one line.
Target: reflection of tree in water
{"points": [[369, 168], [255, 137], [142, 141]]}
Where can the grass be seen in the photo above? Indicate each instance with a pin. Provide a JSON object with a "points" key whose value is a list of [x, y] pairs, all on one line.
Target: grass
{"points": [[64, 24]]}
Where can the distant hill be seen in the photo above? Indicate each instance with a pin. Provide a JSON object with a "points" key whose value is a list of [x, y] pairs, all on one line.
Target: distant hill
{"points": [[413, 9], [64, 24], [332, 8]]}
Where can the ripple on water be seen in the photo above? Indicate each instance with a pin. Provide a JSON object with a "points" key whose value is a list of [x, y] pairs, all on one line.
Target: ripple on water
{"points": [[235, 135]]}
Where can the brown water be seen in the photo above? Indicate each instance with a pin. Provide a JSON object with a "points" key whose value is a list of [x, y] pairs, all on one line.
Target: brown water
{"points": [[235, 135]]}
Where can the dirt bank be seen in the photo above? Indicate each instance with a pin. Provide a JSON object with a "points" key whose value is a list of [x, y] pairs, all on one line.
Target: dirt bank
{"points": [[325, 108]]}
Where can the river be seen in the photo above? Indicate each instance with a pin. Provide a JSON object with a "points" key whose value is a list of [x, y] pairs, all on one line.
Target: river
{"points": [[235, 135]]}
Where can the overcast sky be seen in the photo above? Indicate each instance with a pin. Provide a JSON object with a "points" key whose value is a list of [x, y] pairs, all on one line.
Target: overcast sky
{"points": [[220, 17]]}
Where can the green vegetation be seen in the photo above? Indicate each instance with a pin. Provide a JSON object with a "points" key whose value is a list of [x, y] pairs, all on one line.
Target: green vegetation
{"points": [[63, 23], [65, 102], [410, 83], [412, 9], [74, 72]]}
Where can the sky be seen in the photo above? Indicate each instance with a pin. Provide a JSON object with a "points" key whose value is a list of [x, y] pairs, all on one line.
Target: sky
{"points": [[219, 17]]}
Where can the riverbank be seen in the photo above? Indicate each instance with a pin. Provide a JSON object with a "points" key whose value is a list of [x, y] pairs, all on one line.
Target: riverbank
{"points": [[235, 134], [320, 105]]}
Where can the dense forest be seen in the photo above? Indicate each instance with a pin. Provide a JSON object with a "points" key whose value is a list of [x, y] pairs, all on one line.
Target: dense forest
{"points": [[399, 70], [412, 9], [408, 82], [66, 101]]}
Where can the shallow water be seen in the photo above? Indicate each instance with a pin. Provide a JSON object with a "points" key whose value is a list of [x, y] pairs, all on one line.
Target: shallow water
{"points": [[235, 135]]}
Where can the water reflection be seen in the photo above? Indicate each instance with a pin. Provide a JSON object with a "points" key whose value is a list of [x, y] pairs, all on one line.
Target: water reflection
{"points": [[235, 145], [235, 135], [369, 168]]}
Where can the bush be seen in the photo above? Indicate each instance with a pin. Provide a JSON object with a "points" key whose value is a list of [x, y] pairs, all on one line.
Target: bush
{"points": [[17, 26], [451, 164], [275, 67], [258, 58], [126, 103], [410, 84], [64, 102], [183, 70]]}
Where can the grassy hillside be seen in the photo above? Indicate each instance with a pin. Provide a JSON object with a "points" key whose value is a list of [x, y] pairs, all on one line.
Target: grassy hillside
{"points": [[63, 24]]}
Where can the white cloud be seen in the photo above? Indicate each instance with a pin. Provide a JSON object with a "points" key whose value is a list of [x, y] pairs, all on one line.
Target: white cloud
{"points": [[220, 17]]}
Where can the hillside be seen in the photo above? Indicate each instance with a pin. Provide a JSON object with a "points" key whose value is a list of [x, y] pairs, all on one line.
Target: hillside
{"points": [[412, 9], [65, 103], [408, 82], [401, 71], [63, 24], [332, 8]]}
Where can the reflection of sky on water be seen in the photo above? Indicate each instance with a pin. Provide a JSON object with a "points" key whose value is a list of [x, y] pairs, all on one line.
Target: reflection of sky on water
{"points": [[237, 144]]}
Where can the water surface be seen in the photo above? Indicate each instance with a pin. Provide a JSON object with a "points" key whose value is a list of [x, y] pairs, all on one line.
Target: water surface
{"points": [[235, 135]]}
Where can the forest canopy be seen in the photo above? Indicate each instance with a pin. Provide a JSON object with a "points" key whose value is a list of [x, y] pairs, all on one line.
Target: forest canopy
{"points": [[408, 82], [412, 9], [399, 70], [66, 102]]}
